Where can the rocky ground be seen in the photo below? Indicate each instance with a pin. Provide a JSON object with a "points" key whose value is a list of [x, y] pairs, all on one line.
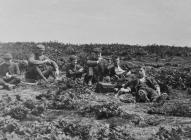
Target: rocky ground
{"points": [[48, 112]]}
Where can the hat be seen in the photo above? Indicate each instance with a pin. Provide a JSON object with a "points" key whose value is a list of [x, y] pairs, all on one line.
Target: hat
{"points": [[7, 56], [73, 57], [98, 50], [40, 47]]}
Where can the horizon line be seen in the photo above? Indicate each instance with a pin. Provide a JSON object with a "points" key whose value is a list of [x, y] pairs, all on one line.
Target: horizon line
{"points": [[94, 43]]}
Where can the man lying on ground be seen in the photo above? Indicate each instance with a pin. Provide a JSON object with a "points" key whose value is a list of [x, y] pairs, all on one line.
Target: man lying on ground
{"points": [[74, 70], [40, 66], [146, 88], [9, 72]]}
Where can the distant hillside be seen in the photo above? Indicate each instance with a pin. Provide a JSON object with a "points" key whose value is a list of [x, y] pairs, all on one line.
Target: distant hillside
{"points": [[56, 50]]}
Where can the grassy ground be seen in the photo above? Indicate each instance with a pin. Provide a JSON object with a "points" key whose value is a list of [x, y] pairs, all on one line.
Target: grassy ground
{"points": [[41, 112], [133, 122]]}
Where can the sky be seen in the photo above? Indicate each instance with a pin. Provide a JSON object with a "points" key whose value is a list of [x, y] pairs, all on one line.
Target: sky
{"points": [[143, 22]]}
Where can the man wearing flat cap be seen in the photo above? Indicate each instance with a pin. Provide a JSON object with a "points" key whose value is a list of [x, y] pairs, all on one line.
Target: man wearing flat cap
{"points": [[40, 66], [74, 70], [9, 72]]}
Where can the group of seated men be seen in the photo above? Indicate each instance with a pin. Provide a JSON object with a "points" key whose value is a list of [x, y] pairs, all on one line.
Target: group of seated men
{"points": [[39, 67], [146, 89], [96, 69]]}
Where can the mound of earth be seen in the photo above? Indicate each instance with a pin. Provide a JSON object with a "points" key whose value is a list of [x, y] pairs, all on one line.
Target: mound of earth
{"points": [[175, 107]]}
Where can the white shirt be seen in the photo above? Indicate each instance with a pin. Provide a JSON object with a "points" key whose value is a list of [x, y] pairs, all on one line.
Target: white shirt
{"points": [[119, 70]]}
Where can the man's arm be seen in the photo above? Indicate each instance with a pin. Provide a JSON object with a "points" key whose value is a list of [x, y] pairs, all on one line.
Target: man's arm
{"points": [[54, 64], [2, 82], [92, 63], [32, 60], [17, 70], [73, 72], [51, 62], [80, 69], [69, 71], [40, 73]]}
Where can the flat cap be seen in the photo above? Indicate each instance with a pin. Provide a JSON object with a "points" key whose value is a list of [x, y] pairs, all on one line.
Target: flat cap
{"points": [[40, 47]]}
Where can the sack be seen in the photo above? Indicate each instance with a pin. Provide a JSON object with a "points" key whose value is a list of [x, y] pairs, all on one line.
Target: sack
{"points": [[102, 87]]}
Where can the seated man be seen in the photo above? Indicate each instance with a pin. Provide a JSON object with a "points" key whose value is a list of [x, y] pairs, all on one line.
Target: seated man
{"points": [[9, 72], [115, 68], [73, 70], [40, 66], [95, 64], [146, 88], [116, 73]]}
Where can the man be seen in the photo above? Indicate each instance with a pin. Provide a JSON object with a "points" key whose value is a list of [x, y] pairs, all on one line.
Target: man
{"points": [[9, 72], [146, 88], [95, 67], [115, 68], [116, 73], [73, 70], [40, 66]]}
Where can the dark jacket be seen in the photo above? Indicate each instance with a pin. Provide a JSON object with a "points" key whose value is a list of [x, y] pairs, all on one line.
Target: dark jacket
{"points": [[97, 70], [136, 85], [92, 61], [73, 71]]}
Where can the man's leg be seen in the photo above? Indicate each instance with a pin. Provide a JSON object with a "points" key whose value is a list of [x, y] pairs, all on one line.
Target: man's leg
{"points": [[97, 74], [101, 68], [35, 74], [14, 80], [152, 94], [31, 75], [40, 74], [2, 82], [5, 84], [90, 75], [49, 72]]}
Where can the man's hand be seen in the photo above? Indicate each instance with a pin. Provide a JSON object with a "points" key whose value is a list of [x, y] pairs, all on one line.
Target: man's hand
{"points": [[57, 72], [158, 91], [128, 73], [99, 59], [8, 75], [81, 70], [125, 89]]}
